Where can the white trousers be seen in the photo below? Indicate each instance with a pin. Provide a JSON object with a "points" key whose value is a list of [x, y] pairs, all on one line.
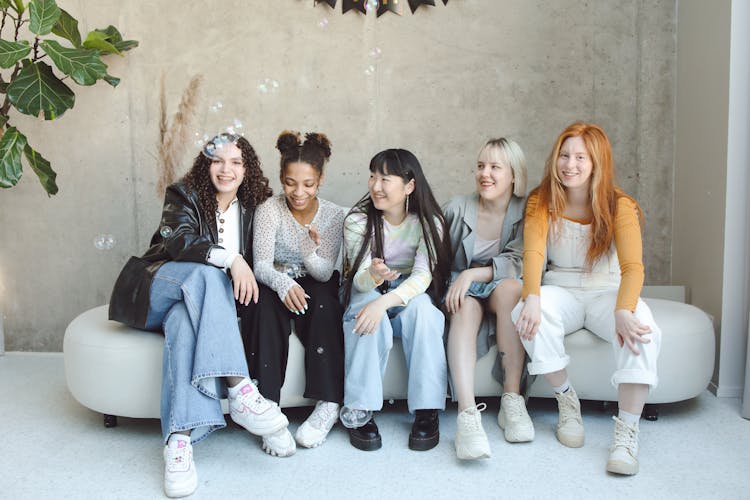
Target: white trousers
{"points": [[566, 310]]}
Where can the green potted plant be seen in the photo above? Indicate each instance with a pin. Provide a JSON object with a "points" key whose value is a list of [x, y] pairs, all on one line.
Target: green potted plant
{"points": [[33, 86]]}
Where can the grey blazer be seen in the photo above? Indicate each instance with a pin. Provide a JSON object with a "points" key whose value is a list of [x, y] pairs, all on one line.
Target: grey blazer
{"points": [[461, 216]]}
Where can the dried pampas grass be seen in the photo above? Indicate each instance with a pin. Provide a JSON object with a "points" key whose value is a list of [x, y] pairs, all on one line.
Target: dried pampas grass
{"points": [[174, 138]]}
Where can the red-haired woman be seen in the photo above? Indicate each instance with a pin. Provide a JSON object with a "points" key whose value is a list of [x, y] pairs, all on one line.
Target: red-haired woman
{"points": [[589, 231]]}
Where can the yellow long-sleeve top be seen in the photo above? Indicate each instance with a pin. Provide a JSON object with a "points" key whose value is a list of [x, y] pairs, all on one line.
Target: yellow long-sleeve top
{"points": [[627, 251]]}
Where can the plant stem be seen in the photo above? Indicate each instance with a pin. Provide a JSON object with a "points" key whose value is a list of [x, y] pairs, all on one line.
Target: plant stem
{"points": [[2, 25], [36, 49]]}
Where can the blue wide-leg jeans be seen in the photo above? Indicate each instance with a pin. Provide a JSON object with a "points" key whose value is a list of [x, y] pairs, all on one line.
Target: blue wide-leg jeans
{"points": [[194, 306], [420, 325]]}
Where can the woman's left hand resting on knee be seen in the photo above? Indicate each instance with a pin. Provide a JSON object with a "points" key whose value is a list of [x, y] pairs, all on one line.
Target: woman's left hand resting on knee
{"points": [[629, 330], [369, 317], [530, 317], [243, 281]]}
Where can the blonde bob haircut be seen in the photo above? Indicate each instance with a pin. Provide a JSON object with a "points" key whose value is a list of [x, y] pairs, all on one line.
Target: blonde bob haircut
{"points": [[516, 161]]}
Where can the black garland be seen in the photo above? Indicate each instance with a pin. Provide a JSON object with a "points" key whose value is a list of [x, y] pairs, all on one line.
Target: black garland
{"points": [[395, 6]]}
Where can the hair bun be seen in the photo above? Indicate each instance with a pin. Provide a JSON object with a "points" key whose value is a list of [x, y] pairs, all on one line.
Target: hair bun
{"points": [[319, 141], [288, 141]]}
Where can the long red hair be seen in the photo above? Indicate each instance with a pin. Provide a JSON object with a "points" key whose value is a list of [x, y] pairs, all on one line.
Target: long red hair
{"points": [[604, 193]]}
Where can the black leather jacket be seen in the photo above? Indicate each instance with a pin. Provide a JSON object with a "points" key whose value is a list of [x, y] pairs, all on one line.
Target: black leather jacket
{"points": [[191, 240]]}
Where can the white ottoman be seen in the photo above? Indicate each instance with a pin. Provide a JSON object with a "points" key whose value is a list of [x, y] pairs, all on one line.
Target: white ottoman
{"points": [[116, 370]]}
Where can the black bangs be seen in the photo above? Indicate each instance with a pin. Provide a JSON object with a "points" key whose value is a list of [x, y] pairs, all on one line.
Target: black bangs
{"points": [[392, 162]]}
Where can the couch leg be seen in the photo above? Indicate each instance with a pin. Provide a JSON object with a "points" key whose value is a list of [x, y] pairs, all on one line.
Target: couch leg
{"points": [[651, 412], [110, 420], [604, 406]]}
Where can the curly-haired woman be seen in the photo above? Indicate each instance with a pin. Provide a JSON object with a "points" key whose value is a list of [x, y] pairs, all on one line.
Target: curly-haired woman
{"points": [[186, 285]]}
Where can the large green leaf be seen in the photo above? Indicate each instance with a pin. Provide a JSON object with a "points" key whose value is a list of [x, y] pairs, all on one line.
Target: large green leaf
{"points": [[67, 28], [43, 16], [36, 89], [83, 65], [42, 168], [97, 40], [109, 40], [12, 52], [11, 148], [18, 6], [3, 121]]}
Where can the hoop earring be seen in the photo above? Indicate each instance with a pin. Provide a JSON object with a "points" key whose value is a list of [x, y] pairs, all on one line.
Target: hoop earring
{"points": [[407, 204]]}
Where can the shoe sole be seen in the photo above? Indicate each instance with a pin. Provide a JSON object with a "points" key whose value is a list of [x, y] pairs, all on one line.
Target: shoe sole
{"points": [[366, 444], [183, 491], [423, 444], [463, 454], [514, 438], [571, 443], [274, 453], [622, 468]]}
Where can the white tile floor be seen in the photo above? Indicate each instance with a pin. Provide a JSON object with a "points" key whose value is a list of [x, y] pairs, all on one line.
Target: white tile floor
{"points": [[52, 447]]}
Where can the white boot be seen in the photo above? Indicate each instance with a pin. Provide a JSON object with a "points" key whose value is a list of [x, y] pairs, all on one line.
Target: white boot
{"points": [[315, 429], [623, 454]]}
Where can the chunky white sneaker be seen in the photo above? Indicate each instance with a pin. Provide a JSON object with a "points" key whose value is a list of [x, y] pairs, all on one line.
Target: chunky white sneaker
{"points": [[471, 441], [315, 429], [514, 419], [280, 443], [252, 411], [623, 454], [180, 476], [569, 421]]}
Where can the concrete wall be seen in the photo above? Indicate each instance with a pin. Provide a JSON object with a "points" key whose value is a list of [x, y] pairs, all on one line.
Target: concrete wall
{"points": [[448, 78]]}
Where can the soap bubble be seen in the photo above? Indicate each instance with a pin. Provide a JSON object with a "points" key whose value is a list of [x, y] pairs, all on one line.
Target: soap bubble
{"points": [[323, 23], [370, 70], [354, 416], [390, 401], [320, 350], [371, 4], [104, 242], [375, 53], [165, 231], [268, 86], [216, 107]]}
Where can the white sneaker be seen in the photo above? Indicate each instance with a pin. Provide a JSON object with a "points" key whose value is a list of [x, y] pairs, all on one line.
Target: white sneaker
{"points": [[623, 454], [252, 411], [280, 443], [180, 476], [569, 421], [471, 440], [315, 429], [514, 419]]}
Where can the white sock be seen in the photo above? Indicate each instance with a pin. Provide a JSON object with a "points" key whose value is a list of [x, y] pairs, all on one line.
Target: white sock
{"points": [[629, 418], [234, 391], [178, 437], [563, 388]]}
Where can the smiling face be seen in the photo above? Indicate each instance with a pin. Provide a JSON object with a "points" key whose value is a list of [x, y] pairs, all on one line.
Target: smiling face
{"points": [[300, 182], [493, 174], [388, 193], [574, 165], [227, 170]]}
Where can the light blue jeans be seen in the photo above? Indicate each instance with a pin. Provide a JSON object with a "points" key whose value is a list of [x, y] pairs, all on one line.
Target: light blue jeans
{"points": [[194, 305], [420, 326]]}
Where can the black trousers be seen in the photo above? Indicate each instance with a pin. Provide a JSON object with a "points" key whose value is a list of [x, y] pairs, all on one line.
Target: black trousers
{"points": [[266, 327]]}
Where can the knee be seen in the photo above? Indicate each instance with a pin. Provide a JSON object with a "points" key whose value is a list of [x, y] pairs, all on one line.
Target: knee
{"points": [[506, 295]]}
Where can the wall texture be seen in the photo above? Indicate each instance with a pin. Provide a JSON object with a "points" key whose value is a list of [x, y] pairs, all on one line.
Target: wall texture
{"points": [[448, 78]]}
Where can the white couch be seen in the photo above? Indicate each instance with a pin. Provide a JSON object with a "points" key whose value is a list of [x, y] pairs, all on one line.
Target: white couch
{"points": [[102, 354]]}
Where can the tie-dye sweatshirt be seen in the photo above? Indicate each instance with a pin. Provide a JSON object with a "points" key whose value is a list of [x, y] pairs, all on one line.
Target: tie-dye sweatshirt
{"points": [[405, 251]]}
